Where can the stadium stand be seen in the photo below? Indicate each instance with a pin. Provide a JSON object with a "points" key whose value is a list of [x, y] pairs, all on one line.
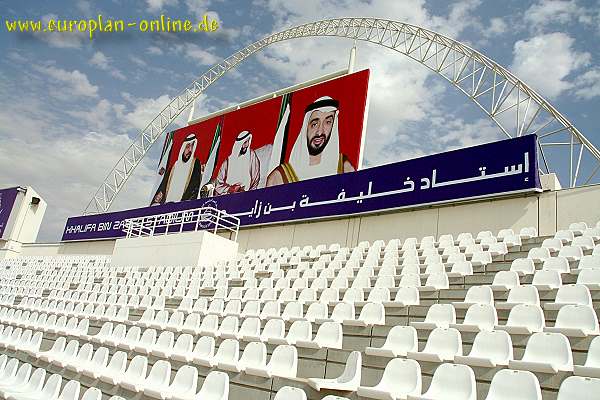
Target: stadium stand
{"points": [[506, 316]]}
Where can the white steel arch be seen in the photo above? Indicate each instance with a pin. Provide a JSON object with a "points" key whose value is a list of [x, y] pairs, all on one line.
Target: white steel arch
{"points": [[515, 107]]}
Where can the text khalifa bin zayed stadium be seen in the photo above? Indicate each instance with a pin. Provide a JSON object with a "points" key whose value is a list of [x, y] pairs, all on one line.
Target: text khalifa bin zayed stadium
{"points": [[503, 167]]}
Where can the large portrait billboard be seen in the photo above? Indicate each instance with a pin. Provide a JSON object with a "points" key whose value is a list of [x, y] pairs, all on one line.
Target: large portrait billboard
{"points": [[310, 133]]}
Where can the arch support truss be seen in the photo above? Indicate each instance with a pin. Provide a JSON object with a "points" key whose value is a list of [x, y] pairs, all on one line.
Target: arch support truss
{"points": [[515, 108]]}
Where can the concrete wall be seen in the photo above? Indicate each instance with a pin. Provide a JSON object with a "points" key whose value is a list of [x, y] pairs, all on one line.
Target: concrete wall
{"points": [[187, 248], [547, 211]]}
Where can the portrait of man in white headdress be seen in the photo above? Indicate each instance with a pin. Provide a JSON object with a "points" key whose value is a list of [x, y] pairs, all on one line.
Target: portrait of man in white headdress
{"points": [[182, 181], [240, 172], [316, 151]]}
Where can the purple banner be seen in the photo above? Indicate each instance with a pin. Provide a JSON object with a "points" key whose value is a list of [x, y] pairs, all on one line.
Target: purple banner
{"points": [[7, 200], [507, 166]]}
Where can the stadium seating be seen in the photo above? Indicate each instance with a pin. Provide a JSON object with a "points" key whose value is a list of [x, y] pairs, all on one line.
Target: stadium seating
{"points": [[469, 316]]}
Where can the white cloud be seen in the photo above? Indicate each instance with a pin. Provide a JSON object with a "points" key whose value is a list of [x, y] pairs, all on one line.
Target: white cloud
{"points": [[545, 62], [197, 53], [551, 12], [158, 5], [101, 61], [497, 27], [154, 50], [74, 40], [587, 85], [71, 82]]}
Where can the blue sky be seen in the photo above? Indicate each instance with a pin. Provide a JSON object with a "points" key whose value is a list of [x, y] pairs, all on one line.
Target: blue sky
{"points": [[70, 106]]}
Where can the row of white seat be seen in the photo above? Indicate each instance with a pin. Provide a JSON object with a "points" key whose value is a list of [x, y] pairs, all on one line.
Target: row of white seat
{"points": [[401, 379], [23, 382]]}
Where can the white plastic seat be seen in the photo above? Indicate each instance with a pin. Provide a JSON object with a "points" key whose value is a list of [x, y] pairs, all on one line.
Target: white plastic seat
{"points": [[476, 295], [400, 378], [524, 319], [329, 335], [146, 342], [164, 345], [293, 310], [290, 393], [135, 372], [254, 355], [565, 235], [461, 268], [505, 280], [547, 280], [450, 381], [156, 381], [490, 349], [209, 325], [510, 384], [97, 363], [204, 350], [526, 294], [341, 312], [559, 264], [589, 278], [131, 339], [182, 349], [349, 380], [115, 369], [283, 363], [589, 262], [539, 254], [436, 282], [523, 266], [274, 328], [399, 341], [546, 353], [68, 354], [443, 344], [33, 383], [371, 314], [570, 294], [229, 327], [183, 386], [214, 387], [578, 388], [575, 320], [49, 390], [482, 258], [479, 317], [316, 311], [228, 353], [571, 253], [438, 316], [591, 368], [405, 296], [299, 330], [271, 309], [249, 330], [552, 244]]}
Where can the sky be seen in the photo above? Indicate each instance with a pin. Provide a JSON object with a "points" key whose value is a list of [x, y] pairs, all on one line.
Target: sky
{"points": [[70, 106]]}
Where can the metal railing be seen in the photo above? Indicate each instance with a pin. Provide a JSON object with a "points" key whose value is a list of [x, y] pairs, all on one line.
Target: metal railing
{"points": [[203, 218]]}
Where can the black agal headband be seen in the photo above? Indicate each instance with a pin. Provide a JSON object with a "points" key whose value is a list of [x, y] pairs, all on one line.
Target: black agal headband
{"points": [[322, 103]]}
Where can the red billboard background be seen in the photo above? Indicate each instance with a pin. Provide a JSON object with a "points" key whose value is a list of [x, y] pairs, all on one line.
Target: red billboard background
{"points": [[262, 120]]}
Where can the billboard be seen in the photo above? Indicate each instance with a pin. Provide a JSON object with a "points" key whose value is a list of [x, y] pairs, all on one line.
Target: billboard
{"points": [[312, 132], [488, 170], [7, 201]]}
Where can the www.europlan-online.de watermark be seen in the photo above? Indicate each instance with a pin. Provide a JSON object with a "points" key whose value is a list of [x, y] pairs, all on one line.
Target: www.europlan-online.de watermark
{"points": [[101, 24]]}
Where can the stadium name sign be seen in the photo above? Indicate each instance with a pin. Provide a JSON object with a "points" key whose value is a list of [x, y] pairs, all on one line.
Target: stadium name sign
{"points": [[493, 169]]}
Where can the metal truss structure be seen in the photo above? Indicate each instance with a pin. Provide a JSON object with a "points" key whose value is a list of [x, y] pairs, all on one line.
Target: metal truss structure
{"points": [[515, 107]]}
